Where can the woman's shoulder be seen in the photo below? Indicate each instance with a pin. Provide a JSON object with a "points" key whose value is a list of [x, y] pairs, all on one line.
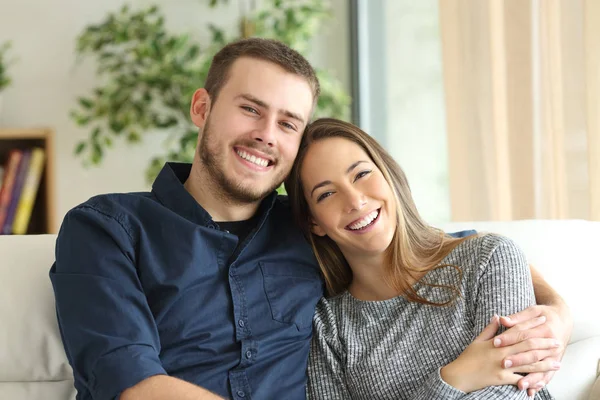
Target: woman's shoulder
{"points": [[331, 311], [486, 244], [487, 251], [483, 249], [330, 307], [494, 244]]}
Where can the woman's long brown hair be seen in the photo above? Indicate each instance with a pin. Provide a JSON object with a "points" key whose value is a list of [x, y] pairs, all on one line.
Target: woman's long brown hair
{"points": [[416, 247]]}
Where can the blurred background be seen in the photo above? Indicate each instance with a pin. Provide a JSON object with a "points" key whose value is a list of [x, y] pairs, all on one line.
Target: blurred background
{"points": [[490, 106]]}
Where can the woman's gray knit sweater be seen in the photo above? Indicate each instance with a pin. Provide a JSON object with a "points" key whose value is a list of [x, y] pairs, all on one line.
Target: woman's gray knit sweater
{"points": [[394, 349]]}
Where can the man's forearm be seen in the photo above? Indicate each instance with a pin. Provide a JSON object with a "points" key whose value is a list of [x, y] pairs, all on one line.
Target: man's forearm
{"points": [[544, 293], [547, 296], [163, 387]]}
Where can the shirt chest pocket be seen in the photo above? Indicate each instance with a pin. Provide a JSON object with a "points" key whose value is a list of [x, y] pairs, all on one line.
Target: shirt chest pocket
{"points": [[292, 292]]}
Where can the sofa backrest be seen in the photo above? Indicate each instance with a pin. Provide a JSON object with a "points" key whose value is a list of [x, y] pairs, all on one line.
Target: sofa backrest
{"points": [[566, 252], [33, 364]]}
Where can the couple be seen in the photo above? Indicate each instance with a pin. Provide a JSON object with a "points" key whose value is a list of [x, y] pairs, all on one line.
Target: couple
{"points": [[204, 288]]}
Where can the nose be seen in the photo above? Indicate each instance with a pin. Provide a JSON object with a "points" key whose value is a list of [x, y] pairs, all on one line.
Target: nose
{"points": [[355, 200], [265, 132]]}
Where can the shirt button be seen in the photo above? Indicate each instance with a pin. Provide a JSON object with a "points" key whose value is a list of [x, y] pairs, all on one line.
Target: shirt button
{"points": [[241, 394], [248, 354], [241, 323]]}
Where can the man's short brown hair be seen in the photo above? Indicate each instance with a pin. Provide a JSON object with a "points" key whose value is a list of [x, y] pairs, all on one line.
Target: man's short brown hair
{"points": [[262, 49]]}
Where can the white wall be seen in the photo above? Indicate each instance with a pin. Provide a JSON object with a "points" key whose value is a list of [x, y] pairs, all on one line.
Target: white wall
{"points": [[47, 80]]}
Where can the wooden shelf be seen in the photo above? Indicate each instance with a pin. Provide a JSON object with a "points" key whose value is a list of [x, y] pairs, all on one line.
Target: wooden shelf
{"points": [[43, 216]]}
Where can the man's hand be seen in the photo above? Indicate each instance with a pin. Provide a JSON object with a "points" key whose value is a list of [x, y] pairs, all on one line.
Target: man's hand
{"points": [[480, 364], [558, 326]]}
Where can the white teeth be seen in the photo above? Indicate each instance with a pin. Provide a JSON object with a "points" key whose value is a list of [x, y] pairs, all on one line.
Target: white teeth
{"points": [[365, 221], [253, 159]]}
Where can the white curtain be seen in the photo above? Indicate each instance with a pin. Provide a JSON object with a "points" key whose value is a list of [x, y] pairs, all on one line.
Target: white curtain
{"points": [[522, 89]]}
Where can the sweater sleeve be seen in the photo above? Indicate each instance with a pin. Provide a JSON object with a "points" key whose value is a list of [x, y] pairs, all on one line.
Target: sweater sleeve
{"points": [[504, 283], [503, 287], [326, 372]]}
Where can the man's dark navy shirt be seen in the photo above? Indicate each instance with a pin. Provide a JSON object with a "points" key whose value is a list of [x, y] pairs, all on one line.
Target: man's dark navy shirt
{"points": [[146, 284]]}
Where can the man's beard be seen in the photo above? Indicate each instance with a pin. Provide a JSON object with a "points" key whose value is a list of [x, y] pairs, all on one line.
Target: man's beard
{"points": [[214, 164]]}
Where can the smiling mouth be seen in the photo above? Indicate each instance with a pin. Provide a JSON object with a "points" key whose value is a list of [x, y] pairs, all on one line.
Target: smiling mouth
{"points": [[365, 222], [261, 162]]}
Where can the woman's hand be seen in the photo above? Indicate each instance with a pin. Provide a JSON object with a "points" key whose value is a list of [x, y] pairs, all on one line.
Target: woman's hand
{"points": [[480, 364]]}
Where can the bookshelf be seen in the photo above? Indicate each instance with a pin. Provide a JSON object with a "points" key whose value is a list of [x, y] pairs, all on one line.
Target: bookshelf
{"points": [[43, 214]]}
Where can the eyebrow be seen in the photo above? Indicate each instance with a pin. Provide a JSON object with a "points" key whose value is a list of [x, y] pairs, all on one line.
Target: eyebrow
{"points": [[325, 183], [262, 104]]}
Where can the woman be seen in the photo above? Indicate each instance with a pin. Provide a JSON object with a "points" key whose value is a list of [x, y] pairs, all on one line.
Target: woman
{"points": [[410, 307]]}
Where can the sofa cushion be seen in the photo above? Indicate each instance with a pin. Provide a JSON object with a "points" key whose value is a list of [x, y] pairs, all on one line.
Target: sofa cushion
{"points": [[595, 393], [30, 345], [59, 390], [565, 253]]}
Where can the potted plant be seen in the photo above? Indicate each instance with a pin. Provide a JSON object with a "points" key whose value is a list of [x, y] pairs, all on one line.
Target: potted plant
{"points": [[149, 74], [5, 80]]}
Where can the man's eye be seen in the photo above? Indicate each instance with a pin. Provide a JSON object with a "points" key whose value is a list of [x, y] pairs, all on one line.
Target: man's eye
{"points": [[250, 109], [361, 175], [324, 196], [288, 126]]}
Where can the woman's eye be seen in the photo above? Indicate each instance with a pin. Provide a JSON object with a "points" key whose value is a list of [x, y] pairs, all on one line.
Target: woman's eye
{"points": [[250, 109], [323, 196], [361, 175]]}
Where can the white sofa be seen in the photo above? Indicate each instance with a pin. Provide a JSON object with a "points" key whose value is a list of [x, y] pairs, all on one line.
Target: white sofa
{"points": [[33, 365]]}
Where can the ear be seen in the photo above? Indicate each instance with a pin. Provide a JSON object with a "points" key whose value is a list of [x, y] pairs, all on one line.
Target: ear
{"points": [[316, 228], [200, 107]]}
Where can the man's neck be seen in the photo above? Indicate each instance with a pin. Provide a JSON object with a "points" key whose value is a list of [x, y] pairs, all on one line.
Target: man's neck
{"points": [[215, 201]]}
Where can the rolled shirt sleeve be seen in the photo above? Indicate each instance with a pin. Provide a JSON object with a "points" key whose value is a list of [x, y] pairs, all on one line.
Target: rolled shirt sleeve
{"points": [[108, 329]]}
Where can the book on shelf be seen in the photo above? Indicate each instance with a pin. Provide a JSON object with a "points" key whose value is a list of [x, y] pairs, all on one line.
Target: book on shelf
{"points": [[16, 192], [12, 165], [29, 192], [23, 172]]}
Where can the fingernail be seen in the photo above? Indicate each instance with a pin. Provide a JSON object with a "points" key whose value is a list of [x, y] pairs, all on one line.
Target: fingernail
{"points": [[542, 318], [497, 343], [525, 385], [556, 343], [507, 364], [493, 318], [539, 385], [555, 365], [506, 318]]}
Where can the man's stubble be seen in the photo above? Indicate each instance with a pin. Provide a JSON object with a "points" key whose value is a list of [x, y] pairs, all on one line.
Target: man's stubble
{"points": [[225, 188]]}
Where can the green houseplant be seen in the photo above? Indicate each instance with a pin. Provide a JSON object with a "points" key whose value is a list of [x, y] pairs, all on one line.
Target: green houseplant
{"points": [[149, 74], [4, 78]]}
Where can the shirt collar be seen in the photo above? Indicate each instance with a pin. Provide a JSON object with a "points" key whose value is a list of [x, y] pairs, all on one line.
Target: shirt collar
{"points": [[169, 190]]}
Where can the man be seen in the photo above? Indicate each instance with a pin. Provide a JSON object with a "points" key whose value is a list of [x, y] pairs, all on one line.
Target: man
{"points": [[203, 288]]}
